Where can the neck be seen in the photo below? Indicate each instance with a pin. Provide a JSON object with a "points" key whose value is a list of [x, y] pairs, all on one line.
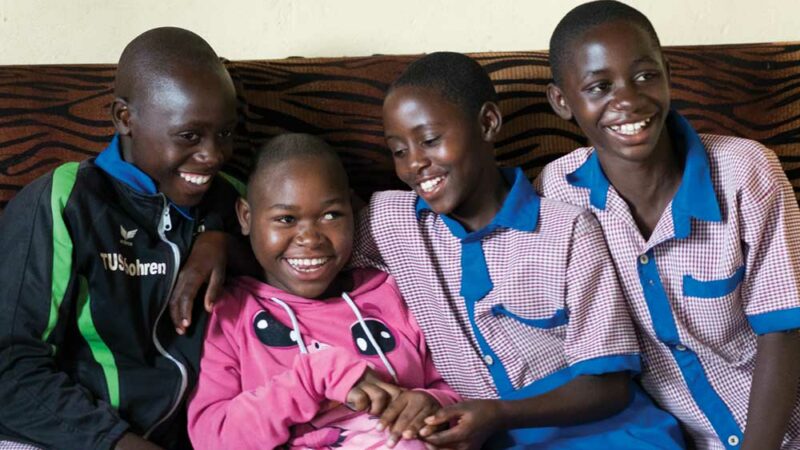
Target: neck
{"points": [[647, 186], [484, 203]]}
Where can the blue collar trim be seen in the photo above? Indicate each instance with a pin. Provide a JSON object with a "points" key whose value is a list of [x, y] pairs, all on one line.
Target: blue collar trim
{"points": [[590, 176], [520, 210], [111, 162], [695, 198]]}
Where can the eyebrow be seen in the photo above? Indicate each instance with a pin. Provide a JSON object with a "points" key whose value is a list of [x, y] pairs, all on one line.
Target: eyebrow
{"points": [[643, 59], [416, 129], [327, 202]]}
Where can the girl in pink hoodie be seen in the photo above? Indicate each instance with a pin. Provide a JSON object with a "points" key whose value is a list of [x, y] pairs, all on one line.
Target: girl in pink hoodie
{"points": [[310, 356]]}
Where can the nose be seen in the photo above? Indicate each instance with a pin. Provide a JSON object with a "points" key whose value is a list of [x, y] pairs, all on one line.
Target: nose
{"points": [[214, 152], [308, 235], [417, 159], [625, 97]]}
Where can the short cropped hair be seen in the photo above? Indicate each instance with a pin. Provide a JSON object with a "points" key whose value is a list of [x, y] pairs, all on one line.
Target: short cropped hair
{"points": [[585, 17], [291, 146], [457, 77]]}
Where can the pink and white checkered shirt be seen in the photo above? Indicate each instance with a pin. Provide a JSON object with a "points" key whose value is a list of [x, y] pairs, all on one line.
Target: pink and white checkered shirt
{"points": [[554, 309], [721, 267]]}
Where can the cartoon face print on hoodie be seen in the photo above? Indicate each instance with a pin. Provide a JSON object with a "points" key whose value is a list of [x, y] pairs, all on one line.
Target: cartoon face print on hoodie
{"points": [[378, 329], [272, 332]]}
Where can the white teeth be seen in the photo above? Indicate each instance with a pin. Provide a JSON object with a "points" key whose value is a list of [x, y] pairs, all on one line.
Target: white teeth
{"points": [[307, 264], [429, 185], [630, 129], [195, 179]]}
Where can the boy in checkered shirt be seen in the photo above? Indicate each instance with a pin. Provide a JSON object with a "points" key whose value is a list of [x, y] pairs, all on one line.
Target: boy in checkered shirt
{"points": [[516, 294], [704, 231]]}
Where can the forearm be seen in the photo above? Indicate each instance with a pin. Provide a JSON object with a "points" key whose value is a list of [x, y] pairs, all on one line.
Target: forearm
{"points": [[585, 399], [773, 391]]}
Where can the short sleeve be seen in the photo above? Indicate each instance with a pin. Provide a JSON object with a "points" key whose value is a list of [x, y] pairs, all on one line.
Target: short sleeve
{"points": [[770, 229], [600, 335]]}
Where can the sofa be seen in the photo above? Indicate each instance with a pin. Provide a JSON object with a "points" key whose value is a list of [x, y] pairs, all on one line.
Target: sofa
{"points": [[51, 114]]}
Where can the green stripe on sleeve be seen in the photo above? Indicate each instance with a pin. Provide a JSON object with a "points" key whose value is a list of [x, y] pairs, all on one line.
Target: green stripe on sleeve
{"points": [[100, 351], [240, 187], [63, 182]]}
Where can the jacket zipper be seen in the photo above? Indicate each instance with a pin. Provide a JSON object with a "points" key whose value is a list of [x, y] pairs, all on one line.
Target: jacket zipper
{"points": [[165, 224]]}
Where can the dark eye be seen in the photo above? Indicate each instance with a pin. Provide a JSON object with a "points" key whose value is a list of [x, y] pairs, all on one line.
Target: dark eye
{"points": [[286, 220], [331, 215], [431, 141], [190, 136], [398, 152], [598, 88], [225, 134], [645, 76]]}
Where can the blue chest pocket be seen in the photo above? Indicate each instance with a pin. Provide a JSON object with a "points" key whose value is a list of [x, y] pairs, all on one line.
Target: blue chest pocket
{"points": [[560, 317], [712, 288]]}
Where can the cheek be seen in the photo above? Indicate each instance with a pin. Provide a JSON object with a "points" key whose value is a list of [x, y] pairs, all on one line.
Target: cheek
{"points": [[402, 171], [268, 243]]}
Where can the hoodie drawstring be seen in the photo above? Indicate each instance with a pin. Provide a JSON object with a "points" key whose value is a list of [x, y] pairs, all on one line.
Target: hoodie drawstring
{"points": [[295, 325], [371, 338], [299, 338]]}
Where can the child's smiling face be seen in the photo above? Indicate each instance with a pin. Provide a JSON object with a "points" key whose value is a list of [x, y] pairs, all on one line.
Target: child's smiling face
{"points": [[300, 223], [181, 133], [439, 151], [616, 86]]}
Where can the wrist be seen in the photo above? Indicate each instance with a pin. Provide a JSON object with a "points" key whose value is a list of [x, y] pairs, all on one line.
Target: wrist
{"points": [[500, 414]]}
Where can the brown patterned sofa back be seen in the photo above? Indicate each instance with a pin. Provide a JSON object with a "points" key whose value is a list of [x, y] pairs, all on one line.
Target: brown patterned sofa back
{"points": [[53, 114]]}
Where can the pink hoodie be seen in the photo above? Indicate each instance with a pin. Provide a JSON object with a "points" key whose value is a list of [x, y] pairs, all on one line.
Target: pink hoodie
{"points": [[257, 381]]}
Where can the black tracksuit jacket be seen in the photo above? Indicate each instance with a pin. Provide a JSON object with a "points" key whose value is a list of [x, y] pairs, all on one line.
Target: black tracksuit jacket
{"points": [[87, 347]]}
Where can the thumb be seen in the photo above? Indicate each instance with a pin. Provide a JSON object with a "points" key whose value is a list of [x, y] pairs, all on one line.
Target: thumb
{"points": [[214, 289], [444, 415]]}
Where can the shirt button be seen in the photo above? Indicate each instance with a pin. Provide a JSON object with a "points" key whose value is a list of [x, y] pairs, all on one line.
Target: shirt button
{"points": [[488, 360], [733, 440], [682, 348], [651, 283], [644, 259]]}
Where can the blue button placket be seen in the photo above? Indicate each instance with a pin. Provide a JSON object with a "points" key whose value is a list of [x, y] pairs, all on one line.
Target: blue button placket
{"points": [[708, 400], [475, 285]]}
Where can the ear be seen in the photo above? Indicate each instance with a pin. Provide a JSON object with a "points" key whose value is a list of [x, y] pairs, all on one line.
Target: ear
{"points": [[121, 116], [243, 214], [491, 121], [558, 102]]}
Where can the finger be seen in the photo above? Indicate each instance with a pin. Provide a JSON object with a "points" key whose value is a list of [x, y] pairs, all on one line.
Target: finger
{"points": [[357, 399], [448, 438], [428, 430], [443, 416], [181, 301], [415, 424], [214, 288], [390, 414], [404, 421], [391, 389], [378, 398], [185, 298]]}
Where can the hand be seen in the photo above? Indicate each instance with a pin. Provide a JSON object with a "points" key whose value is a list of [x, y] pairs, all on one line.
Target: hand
{"points": [[131, 441], [371, 393], [475, 421], [406, 415], [205, 264]]}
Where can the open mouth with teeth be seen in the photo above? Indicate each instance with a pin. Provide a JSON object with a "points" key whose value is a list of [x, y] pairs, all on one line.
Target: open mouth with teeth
{"points": [[430, 185], [632, 128], [195, 178], [307, 265]]}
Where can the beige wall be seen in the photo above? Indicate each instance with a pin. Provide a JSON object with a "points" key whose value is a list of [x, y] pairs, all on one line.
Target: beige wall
{"points": [[95, 31]]}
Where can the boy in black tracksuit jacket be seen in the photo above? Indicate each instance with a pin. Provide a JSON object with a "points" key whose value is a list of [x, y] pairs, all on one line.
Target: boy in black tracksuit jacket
{"points": [[88, 355]]}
